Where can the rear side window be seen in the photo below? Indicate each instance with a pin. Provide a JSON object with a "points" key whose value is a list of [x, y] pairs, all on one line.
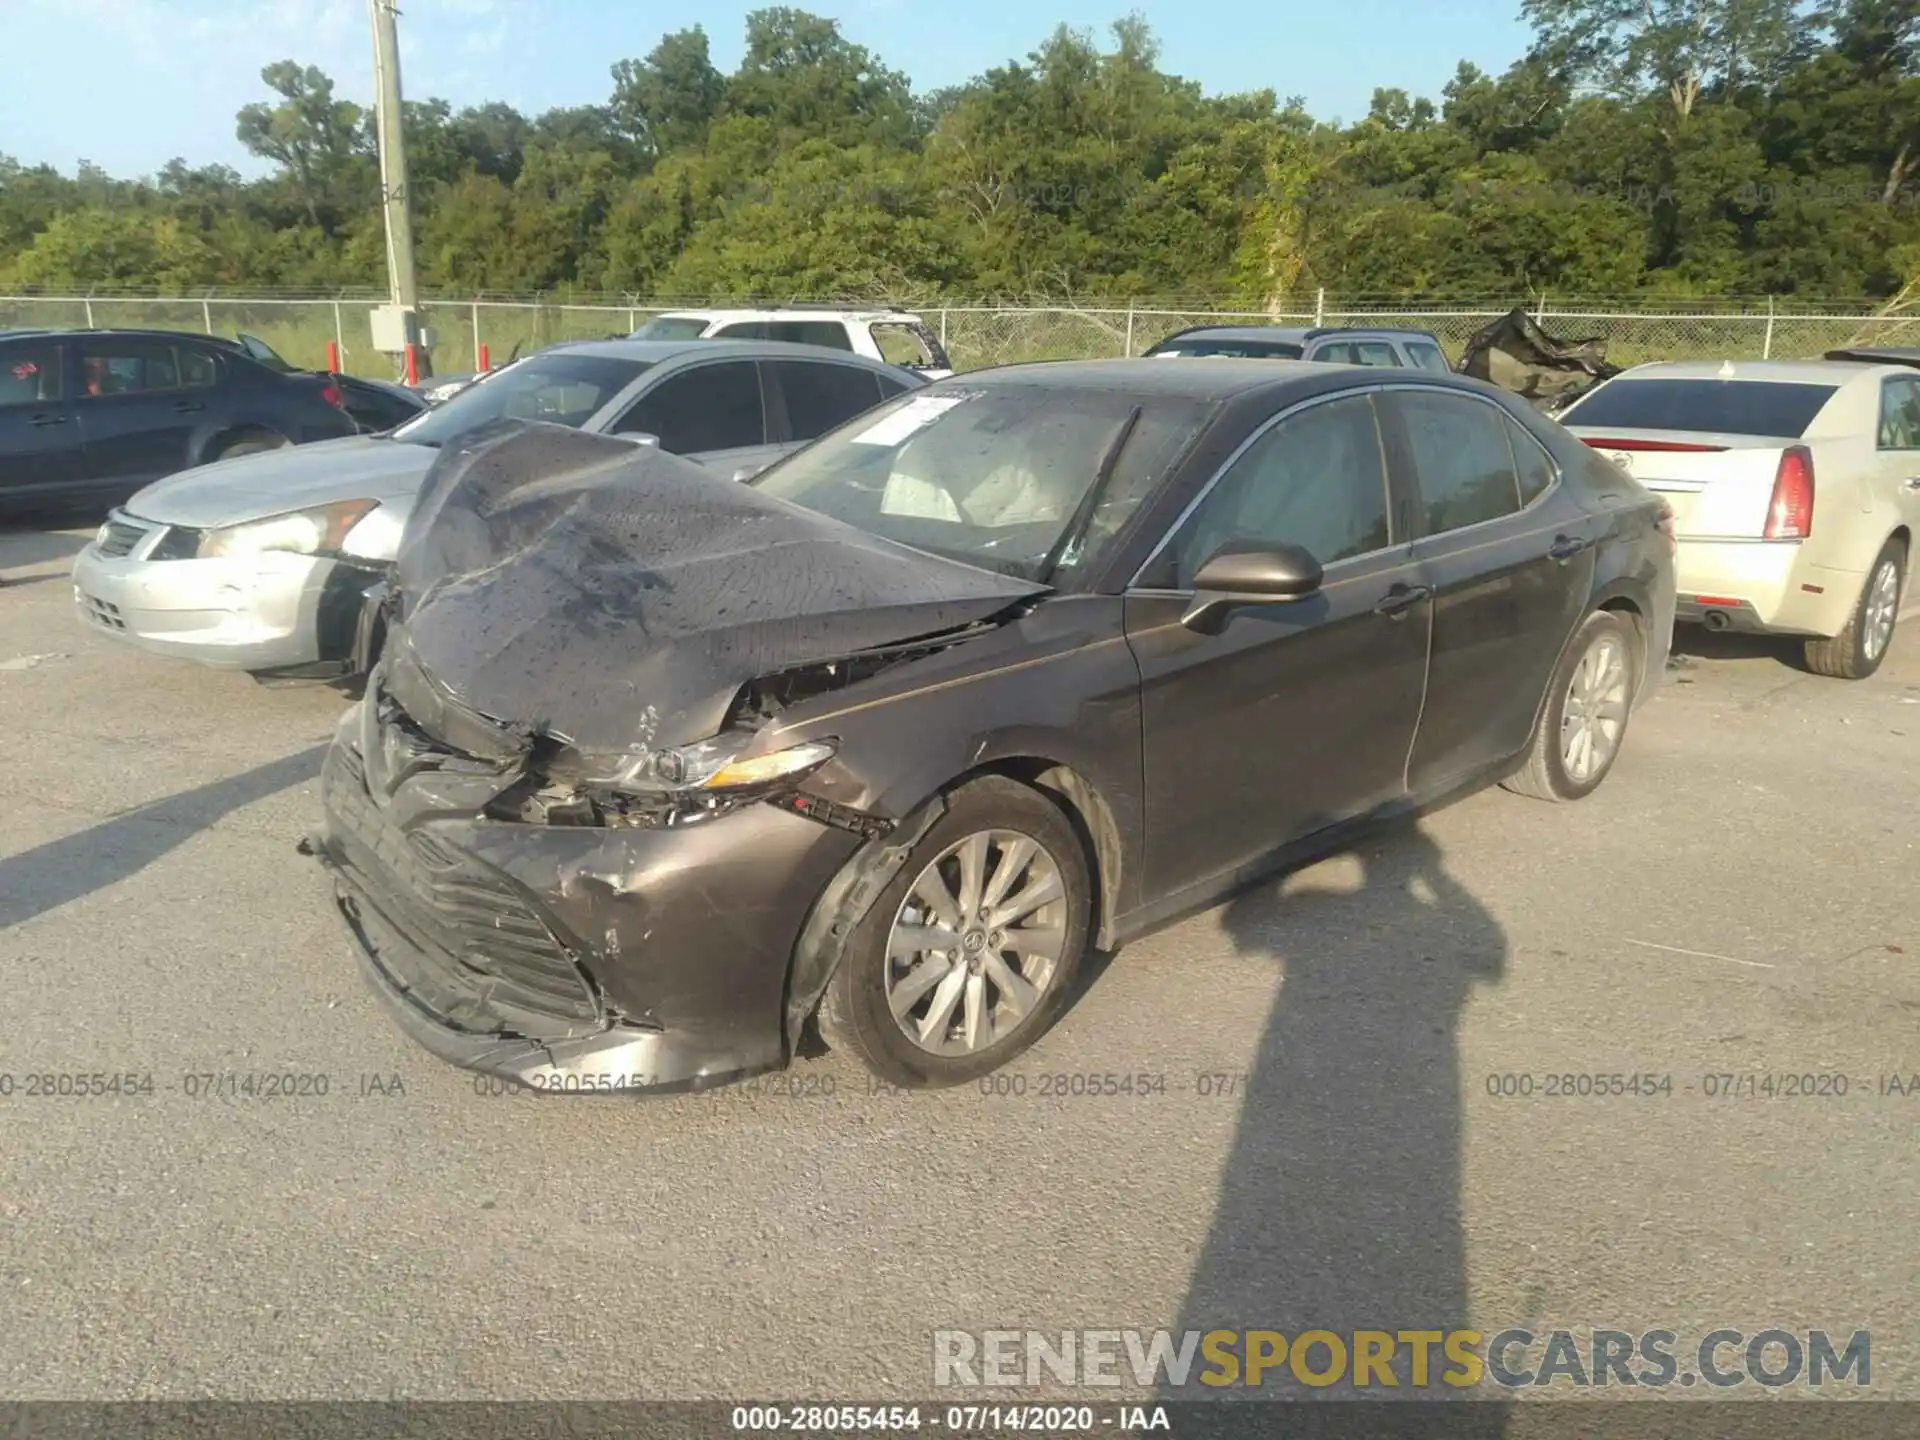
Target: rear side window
{"points": [[1729, 407], [1900, 414], [710, 407], [1427, 356], [129, 367], [29, 373], [673, 327], [743, 330], [827, 333], [198, 368], [1462, 456], [1376, 352], [1531, 463], [820, 397]]}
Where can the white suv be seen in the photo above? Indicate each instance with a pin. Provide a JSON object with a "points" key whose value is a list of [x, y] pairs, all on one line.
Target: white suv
{"points": [[886, 335]]}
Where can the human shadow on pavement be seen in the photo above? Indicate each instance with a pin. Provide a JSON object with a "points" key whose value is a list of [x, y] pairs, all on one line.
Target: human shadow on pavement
{"points": [[50, 875], [1340, 1206]]}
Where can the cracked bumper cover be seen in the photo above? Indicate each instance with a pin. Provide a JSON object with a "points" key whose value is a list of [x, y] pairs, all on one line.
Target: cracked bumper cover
{"points": [[683, 984]]}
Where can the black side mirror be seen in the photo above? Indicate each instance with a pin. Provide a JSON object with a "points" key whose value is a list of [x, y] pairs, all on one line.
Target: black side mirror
{"points": [[1249, 572]]}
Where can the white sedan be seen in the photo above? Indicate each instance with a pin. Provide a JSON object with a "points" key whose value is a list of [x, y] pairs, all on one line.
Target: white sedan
{"points": [[1795, 487]]}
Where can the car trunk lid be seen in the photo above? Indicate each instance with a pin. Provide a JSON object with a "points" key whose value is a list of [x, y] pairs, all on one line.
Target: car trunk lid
{"points": [[1718, 485]]}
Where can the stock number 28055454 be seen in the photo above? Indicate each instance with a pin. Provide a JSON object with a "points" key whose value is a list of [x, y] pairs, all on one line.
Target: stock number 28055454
{"points": [[1581, 1085]]}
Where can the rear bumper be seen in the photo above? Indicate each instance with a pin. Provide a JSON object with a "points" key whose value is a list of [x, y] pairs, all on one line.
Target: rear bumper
{"points": [[1762, 586]]}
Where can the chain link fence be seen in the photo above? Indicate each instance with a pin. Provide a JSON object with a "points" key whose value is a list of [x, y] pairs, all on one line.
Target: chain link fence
{"points": [[301, 327]]}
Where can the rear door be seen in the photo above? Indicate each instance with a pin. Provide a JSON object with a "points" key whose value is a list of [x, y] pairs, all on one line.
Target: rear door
{"points": [[137, 416], [714, 413], [1509, 553], [40, 450]]}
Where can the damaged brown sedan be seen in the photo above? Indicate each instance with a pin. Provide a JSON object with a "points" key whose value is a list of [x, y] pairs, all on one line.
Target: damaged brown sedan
{"points": [[656, 769]]}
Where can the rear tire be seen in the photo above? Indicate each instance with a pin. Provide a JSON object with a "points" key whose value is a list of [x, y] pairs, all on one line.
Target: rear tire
{"points": [[882, 966], [1592, 697], [1856, 652]]}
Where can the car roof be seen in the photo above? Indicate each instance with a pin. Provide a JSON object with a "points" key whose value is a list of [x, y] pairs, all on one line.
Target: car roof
{"points": [[1218, 379], [1775, 372], [786, 313], [660, 352]]}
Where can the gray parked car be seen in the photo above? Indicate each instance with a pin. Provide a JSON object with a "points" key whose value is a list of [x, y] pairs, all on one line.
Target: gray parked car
{"points": [[1345, 345], [261, 563]]}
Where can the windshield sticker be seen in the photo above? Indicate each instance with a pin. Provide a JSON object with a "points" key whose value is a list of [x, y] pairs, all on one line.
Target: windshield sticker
{"points": [[916, 414]]}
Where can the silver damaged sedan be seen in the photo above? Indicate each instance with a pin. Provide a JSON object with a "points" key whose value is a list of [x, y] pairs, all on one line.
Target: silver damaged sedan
{"points": [[261, 563]]}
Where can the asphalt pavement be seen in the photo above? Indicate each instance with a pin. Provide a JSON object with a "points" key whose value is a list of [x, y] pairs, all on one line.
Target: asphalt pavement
{"points": [[1313, 1135]]}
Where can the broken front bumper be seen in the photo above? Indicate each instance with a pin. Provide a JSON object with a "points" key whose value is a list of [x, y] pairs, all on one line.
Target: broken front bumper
{"points": [[571, 959]]}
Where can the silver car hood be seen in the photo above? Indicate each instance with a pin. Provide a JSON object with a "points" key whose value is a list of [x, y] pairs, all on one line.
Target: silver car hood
{"points": [[251, 487]]}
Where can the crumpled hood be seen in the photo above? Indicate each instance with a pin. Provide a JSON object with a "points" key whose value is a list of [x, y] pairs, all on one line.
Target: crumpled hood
{"points": [[616, 596], [272, 482]]}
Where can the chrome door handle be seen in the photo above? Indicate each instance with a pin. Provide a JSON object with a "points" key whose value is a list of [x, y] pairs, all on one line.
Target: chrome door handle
{"points": [[1402, 598], [1912, 482]]}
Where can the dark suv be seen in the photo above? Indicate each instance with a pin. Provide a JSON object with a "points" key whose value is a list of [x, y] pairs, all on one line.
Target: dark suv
{"points": [[87, 417]]}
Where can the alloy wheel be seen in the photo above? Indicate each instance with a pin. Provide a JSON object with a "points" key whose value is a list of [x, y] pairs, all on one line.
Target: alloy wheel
{"points": [[1595, 712], [976, 943], [1883, 604]]}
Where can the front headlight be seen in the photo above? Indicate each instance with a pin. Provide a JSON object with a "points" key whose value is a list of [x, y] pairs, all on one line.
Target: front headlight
{"points": [[318, 531], [710, 767]]}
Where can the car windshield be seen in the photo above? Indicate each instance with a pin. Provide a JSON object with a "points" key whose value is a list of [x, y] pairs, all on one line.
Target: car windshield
{"points": [[559, 389], [1235, 349], [997, 476], [672, 327], [1722, 407]]}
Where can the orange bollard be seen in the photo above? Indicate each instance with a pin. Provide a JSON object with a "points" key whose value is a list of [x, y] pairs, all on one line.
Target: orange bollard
{"points": [[333, 357], [413, 364], [486, 361]]}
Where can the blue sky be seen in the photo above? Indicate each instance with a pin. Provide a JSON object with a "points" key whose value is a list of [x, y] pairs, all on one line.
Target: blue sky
{"points": [[128, 84]]}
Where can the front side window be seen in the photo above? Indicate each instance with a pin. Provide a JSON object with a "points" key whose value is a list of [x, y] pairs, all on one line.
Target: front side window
{"points": [[1000, 476], [1376, 352], [1900, 413], [1317, 480], [899, 345], [1427, 356], [128, 367], [554, 387], [1462, 457], [29, 373], [706, 408]]}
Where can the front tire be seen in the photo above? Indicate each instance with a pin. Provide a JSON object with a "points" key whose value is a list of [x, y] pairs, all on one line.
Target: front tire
{"points": [[967, 957], [251, 445], [1585, 718], [1856, 652]]}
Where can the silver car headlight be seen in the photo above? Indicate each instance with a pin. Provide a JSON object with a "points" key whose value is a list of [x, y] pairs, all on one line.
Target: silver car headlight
{"points": [[316, 531], [713, 767]]}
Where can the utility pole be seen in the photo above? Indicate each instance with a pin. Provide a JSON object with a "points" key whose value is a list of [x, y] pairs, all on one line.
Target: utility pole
{"points": [[396, 327], [393, 154]]}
